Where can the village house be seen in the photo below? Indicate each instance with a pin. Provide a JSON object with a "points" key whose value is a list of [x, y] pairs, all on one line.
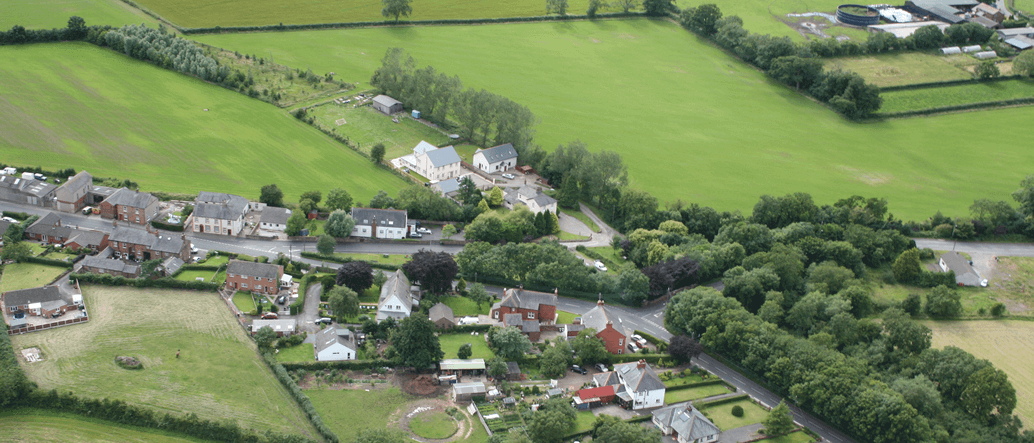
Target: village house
{"points": [[218, 213], [685, 424], [441, 315], [282, 327], [965, 275], [335, 344], [636, 385], [50, 230], [143, 245], [274, 218], [527, 310], [396, 299], [431, 162], [448, 188], [72, 195], [533, 198], [27, 191], [614, 336], [495, 159], [105, 265], [45, 301], [255, 277], [380, 223], [131, 206]]}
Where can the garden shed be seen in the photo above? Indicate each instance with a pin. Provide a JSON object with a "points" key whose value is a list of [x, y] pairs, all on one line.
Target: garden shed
{"points": [[386, 104]]}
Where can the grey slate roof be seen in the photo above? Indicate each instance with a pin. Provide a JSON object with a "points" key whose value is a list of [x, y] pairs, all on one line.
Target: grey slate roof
{"points": [[518, 321], [598, 317], [132, 199], [385, 100], [512, 368], [397, 284], [34, 295], [47, 221], [639, 380], [519, 298], [165, 243], [984, 21], [329, 337], [132, 236], [109, 264], [544, 200], [32, 187], [423, 148], [498, 153], [86, 237], [172, 264], [275, 216], [1021, 42], [220, 206], [687, 421], [448, 186], [1012, 32], [384, 217], [440, 311], [443, 156], [253, 269], [606, 379]]}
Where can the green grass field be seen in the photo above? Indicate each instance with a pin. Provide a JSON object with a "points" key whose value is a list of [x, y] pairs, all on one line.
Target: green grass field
{"points": [[721, 415], [479, 348], [898, 101], [769, 17], [40, 14], [24, 425], [681, 395], [564, 317], [218, 374], [1006, 343], [690, 122], [297, 354], [433, 424], [76, 105], [367, 127], [464, 307], [28, 275], [339, 410], [905, 68]]}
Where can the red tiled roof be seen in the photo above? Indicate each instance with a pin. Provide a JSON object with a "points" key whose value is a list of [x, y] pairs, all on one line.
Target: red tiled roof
{"points": [[603, 393]]}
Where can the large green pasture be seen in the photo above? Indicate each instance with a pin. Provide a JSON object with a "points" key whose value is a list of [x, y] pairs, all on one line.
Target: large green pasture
{"points": [[76, 105], [898, 101], [690, 122], [218, 374], [42, 426], [48, 14]]}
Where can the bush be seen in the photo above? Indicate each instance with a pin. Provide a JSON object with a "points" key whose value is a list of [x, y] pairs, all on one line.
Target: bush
{"points": [[998, 309], [20, 216], [129, 363], [737, 411]]}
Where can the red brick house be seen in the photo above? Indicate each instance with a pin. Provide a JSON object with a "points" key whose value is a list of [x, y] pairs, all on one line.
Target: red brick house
{"points": [[526, 310], [614, 336], [255, 277], [49, 230], [132, 206], [146, 245], [44, 301]]}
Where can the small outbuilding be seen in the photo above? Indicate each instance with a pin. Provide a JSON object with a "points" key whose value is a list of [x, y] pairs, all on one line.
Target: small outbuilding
{"points": [[513, 371], [285, 327], [387, 104], [985, 55], [462, 367], [467, 391], [334, 346], [441, 316], [592, 397]]}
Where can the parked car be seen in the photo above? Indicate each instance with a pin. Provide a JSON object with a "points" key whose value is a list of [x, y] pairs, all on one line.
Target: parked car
{"points": [[639, 340], [508, 176], [281, 299], [270, 316], [88, 210], [601, 367], [40, 177], [601, 266], [193, 249], [423, 230], [9, 219], [324, 321], [633, 347], [415, 234], [579, 369]]}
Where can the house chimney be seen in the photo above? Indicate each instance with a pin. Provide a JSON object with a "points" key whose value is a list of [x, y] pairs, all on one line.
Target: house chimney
{"points": [[600, 301], [641, 364], [556, 291]]}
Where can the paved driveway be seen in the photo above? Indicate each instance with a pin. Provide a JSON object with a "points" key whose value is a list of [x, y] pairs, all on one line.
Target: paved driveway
{"points": [[311, 310]]}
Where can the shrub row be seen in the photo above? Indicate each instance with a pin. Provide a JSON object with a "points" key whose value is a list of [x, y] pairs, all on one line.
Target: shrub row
{"points": [[48, 262], [965, 107], [473, 21], [167, 226], [303, 286], [653, 340], [948, 83], [625, 358], [716, 381], [349, 365], [929, 279], [336, 259], [20, 216], [460, 329], [14, 384], [118, 411], [164, 282], [588, 252], [721, 401], [610, 298], [299, 397]]}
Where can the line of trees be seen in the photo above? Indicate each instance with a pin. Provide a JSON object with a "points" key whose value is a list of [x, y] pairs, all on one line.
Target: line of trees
{"points": [[483, 116]]}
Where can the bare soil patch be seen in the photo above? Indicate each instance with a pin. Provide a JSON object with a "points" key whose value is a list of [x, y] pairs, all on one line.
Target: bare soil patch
{"points": [[424, 385]]}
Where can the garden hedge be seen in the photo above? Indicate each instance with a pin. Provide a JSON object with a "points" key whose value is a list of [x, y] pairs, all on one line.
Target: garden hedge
{"points": [[717, 381], [303, 400], [653, 340], [48, 261], [167, 226], [164, 282], [20, 216], [351, 365], [965, 107], [721, 401], [948, 83]]}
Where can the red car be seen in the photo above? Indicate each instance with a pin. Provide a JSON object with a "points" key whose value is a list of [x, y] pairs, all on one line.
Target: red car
{"points": [[270, 316]]}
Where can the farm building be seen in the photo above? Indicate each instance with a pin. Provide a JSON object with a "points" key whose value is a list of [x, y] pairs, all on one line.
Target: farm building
{"points": [[984, 21], [72, 196], [333, 344], [255, 277], [989, 12], [396, 299], [945, 10], [1020, 42], [591, 397], [495, 159], [274, 219], [474, 366], [387, 104], [1006, 34], [902, 30], [441, 315], [218, 213], [686, 424], [282, 328], [27, 191], [964, 272], [467, 391], [379, 223]]}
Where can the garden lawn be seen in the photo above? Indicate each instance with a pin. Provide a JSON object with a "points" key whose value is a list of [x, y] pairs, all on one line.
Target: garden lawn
{"points": [[296, 354], [679, 381], [194, 274], [348, 411], [577, 213], [565, 318], [649, 90], [218, 375], [583, 422], [77, 105], [905, 68], [721, 415], [28, 275], [910, 100], [465, 307], [49, 14], [681, 395], [1006, 343], [433, 424], [611, 257], [366, 127], [44, 426], [479, 348], [244, 301]]}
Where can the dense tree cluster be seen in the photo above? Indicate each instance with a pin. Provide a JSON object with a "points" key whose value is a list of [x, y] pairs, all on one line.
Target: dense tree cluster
{"points": [[485, 117], [514, 226], [434, 270]]}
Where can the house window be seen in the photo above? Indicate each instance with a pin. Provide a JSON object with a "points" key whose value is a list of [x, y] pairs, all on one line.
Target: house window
{"points": [[621, 342], [258, 287], [531, 315], [244, 286]]}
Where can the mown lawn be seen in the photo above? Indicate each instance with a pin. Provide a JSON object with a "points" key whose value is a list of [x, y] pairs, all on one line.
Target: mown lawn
{"points": [[479, 348], [564, 317], [77, 105], [28, 275], [910, 100], [45, 426], [297, 354], [721, 415], [244, 301], [367, 127], [218, 375], [772, 140], [349, 411], [465, 307], [391, 259], [433, 424], [905, 68], [681, 395], [208, 276]]}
